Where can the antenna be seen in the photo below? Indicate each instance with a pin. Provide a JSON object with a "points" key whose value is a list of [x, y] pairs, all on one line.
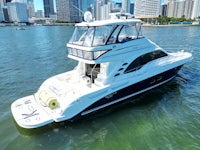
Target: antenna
{"points": [[78, 9]]}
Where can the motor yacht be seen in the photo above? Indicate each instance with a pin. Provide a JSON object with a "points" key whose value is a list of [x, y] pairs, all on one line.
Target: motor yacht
{"points": [[115, 62]]}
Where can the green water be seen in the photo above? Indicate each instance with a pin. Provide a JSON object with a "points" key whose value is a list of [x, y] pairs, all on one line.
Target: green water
{"points": [[167, 117]]}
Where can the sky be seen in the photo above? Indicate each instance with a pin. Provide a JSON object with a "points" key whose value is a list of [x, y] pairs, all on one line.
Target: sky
{"points": [[39, 4]]}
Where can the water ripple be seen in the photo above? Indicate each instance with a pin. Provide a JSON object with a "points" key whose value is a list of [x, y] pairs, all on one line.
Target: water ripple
{"points": [[167, 117]]}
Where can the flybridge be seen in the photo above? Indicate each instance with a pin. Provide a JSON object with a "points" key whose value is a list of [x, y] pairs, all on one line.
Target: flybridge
{"points": [[99, 33]]}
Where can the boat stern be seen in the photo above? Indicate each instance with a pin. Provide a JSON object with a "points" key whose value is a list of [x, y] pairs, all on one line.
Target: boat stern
{"points": [[28, 114]]}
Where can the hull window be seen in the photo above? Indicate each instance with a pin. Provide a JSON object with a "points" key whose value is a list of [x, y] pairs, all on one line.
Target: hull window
{"points": [[144, 59]]}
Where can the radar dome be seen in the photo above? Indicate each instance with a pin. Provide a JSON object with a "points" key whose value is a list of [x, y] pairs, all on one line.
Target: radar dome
{"points": [[88, 16]]}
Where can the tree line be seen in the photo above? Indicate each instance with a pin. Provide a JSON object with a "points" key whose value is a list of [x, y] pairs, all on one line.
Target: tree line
{"points": [[164, 20]]}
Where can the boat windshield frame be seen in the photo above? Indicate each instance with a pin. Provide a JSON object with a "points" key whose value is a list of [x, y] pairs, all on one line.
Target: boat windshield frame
{"points": [[92, 36]]}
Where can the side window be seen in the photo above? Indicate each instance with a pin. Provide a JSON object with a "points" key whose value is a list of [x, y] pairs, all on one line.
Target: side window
{"points": [[156, 54], [144, 59], [113, 37], [101, 34], [89, 37], [123, 35], [160, 54], [127, 33], [135, 65]]}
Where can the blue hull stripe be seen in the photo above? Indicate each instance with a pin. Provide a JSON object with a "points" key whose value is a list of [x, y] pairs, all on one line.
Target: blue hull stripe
{"points": [[132, 90]]}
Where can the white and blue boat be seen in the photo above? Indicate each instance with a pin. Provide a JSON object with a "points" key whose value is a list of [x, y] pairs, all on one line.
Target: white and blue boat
{"points": [[115, 62]]}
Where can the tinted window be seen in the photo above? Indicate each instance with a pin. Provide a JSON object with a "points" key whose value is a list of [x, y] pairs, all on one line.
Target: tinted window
{"points": [[135, 65], [157, 54], [114, 35], [101, 34], [142, 60], [129, 32]]}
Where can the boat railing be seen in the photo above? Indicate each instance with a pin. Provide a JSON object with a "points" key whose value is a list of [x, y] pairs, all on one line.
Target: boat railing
{"points": [[176, 48], [89, 55]]}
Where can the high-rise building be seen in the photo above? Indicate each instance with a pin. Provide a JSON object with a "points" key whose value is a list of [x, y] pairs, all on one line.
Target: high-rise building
{"points": [[5, 13], [20, 1], [39, 14], [7, 1], [188, 8], [167, 1], [31, 8], [132, 8], [171, 9], [99, 4], [1, 13], [105, 10], [17, 12], [147, 8], [86, 4], [180, 8], [196, 9], [126, 6], [48, 8], [68, 10], [163, 10], [116, 7], [102, 9], [1, 2]]}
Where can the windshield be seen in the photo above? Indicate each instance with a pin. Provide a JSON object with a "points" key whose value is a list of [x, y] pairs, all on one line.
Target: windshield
{"points": [[91, 36], [78, 36], [107, 34], [130, 32]]}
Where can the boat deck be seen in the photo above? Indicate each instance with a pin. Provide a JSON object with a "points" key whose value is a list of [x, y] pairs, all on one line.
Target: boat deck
{"points": [[72, 85]]}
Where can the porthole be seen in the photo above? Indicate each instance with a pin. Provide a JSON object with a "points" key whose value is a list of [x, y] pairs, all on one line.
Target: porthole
{"points": [[120, 69], [117, 74], [124, 64]]}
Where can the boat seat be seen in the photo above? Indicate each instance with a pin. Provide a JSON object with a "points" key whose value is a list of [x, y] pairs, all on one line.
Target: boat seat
{"points": [[85, 80], [123, 38]]}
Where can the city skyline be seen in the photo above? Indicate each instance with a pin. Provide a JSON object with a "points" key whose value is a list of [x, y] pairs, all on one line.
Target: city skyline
{"points": [[73, 10], [39, 4]]}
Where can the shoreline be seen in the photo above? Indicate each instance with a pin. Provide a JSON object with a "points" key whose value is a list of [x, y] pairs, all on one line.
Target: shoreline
{"points": [[24, 25], [169, 25], [72, 24]]}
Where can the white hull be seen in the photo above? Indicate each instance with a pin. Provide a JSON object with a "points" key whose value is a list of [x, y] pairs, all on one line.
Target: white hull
{"points": [[115, 62]]}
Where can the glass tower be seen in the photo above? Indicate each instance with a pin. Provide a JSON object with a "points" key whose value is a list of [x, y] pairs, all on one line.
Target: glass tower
{"points": [[48, 8]]}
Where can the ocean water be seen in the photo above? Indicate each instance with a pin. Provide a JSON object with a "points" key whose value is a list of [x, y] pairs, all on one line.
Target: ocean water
{"points": [[167, 117]]}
